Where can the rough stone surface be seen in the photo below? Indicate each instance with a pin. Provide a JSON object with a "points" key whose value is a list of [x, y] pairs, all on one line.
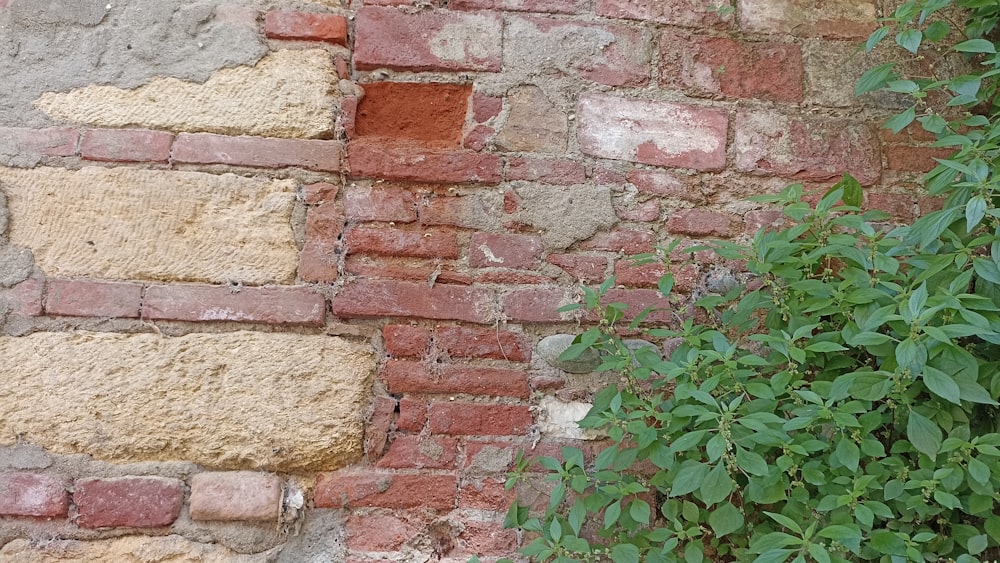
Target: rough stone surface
{"points": [[810, 18], [287, 94], [565, 214], [235, 495], [551, 347], [534, 124], [321, 539], [16, 263], [128, 549], [4, 216], [559, 419], [117, 43], [692, 13], [23, 147], [153, 224], [23, 456], [206, 398]]}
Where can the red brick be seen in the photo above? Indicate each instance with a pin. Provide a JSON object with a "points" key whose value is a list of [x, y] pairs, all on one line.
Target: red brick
{"points": [[348, 108], [688, 13], [812, 149], [488, 343], [544, 6], [379, 425], [320, 192], [382, 533], [485, 107], [492, 457], [236, 496], [645, 212], [412, 162], [699, 223], [630, 274], [535, 305], [653, 132], [662, 184], [134, 502], [472, 211], [380, 203], [415, 269], [271, 305], [559, 172], [394, 242], [610, 54], [412, 415], [320, 256], [504, 251], [427, 40], [638, 300], [507, 277], [306, 27], [33, 143], [207, 148], [583, 268], [25, 298], [420, 452], [404, 341], [899, 206], [710, 66], [338, 490], [32, 494], [473, 419], [478, 138], [430, 113], [378, 298], [914, 159], [77, 298], [913, 132], [629, 242], [756, 220], [844, 19], [486, 495], [128, 145], [404, 376], [487, 538]]}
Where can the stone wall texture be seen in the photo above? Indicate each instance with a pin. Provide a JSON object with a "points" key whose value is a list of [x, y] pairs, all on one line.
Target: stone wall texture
{"points": [[279, 280]]}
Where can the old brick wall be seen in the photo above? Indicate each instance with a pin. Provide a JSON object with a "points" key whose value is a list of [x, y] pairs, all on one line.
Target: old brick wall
{"points": [[279, 280]]}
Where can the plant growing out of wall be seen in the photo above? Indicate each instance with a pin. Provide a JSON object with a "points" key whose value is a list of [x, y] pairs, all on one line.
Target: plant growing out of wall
{"points": [[841, 406]]}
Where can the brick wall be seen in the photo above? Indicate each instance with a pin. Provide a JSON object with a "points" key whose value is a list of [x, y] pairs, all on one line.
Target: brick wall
{"points": [[290, 301]]}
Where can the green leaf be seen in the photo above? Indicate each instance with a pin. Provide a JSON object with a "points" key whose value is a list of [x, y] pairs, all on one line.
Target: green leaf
{"points": [[899, 121], [977, 544], [717, 485], [979, 471], [942, 385], [975, 210], [689, 478], [639, 511], [910, 39], [725, 519], [924, 434], [846, 535], [877, 36], [875, 78], [975, 46], [625, 553], [577, 516], [751, 462], [784, 521], [847, 453], [937, 31]]}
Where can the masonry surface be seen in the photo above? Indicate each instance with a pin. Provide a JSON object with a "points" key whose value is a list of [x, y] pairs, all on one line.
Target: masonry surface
{"points": [[279, 280]]}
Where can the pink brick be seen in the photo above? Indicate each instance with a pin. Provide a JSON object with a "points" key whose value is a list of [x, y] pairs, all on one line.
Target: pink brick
{"points": [[404, 376], [271, 305], [559, 172], [504, 251], [236, 495], [662, 184], [415, 163], [485, 107], [404, 341], [380, 203], [645, 212], [420, 452], [473, 419], [699, 223], [544, 6], [307, 27], [207, 148], [582, 268], [76, 298], [320, 192], [622, 240], [843, 19], [756, 220], [426, 40], [133, 502], [378, 298], [538, 305], [378, 532], [344, 489], [489, 343], [396, 242], [127, 145], [31, 494], [711, 66], [54, 141], [653, 132], [813, 149], [688, 13]]}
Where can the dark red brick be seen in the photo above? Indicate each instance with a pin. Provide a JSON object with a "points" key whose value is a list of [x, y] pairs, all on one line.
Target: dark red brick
{"points": [[343, 489], [404, 376], [486, 495], [377, 298], [504, 251], [25, 298], [320, 192], [127, 145], [473, 419], [394, 242], [487, 538], [420, 452], [271, 305], [207, 148], [306, 27], [32, 494], [79, 298], [488, 343], [465, 211], [478, 138], [645, 212], [412, 415], [380, 532], [133, 502], [412, 269], [914, 159], [899, 206], [412, 162], [638, 300], [404, 341]]}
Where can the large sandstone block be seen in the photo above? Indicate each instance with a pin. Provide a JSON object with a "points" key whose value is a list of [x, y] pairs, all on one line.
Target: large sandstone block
{"points": [[174, 548], [240, 400], [153, 224]]}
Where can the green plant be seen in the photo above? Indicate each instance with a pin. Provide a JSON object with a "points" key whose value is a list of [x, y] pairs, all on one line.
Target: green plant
{"points": [[840, 406]]}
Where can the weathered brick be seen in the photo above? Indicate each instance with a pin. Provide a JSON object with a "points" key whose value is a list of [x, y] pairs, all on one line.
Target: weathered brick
{"points": [[914, 159], [560, 172], [645, 212], [758, 219], [630, 274], [320, 255], [426, 40], [430, 113], [32, 494], [79, 298], [485, 107], [412, 415], [378, 532], [320, 192], [639, 299], [406, 161], [378, 298], [507, 277], [846, 19], [815, 149], [307, 27], [899, 206], [126, 145], [611, 54], [477, 210], [504, 251], [395, 242], [473, 419], [404, 376], [699, 223], [394, 268], [688, 13], [25, 298], [337, 490], [208, 148], [404, 341], [621, 240], [534, 123], [24, 146], [662, 184], [271, 305], [420, 452], [478, 137], [544, 6], [711, 66], [538, 305], [487, 538], [236, 495], [471, 342], [652, 132], [486, 495], [583, 268], [134, 502]]}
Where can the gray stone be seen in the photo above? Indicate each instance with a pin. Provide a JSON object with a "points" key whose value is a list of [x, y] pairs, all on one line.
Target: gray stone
{"points": [[321, 540], [533, 123], [4, 217], [721, 281], [550, 348], [564, 215], [16, 264], [671, 345], [23, 456]]}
